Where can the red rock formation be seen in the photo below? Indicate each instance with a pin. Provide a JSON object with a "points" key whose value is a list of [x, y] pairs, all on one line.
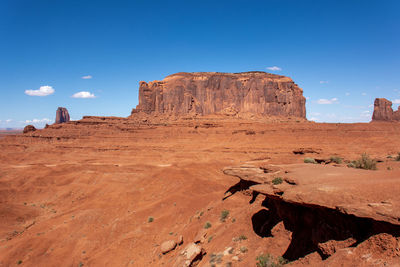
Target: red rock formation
{"points": [[383, 111], [212, 92], [62, 115], [29, 128]]}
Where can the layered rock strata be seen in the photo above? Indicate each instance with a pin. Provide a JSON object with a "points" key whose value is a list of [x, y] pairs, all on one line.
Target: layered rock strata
{"points": [[62, 115], [206, 93], [383, 111]]}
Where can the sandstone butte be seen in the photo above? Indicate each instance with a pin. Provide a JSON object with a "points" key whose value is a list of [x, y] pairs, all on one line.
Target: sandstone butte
{"points": [[383, 111], [62, 115], [220, 190], [207, 93]]}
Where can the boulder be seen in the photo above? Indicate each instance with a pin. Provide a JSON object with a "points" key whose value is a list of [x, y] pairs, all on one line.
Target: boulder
{"points": [[62, 115], [167, 246], [203, 93], [29, 128]]}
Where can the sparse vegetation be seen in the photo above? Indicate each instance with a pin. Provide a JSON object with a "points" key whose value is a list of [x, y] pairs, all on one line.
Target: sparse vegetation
{"points": [[240, 238], [210, 238], [310, 160], [267, 260], [365, 162], [336, 159], [207, 225], [233, 220], [150, 219], [277, 180], [398, 157], [19, 262], [243, 249], [224, 215], [216, 258]]}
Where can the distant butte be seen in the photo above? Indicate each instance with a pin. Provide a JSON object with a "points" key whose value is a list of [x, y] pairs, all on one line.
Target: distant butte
{"points": [[383, 111], [204, 93], [62, 115]]}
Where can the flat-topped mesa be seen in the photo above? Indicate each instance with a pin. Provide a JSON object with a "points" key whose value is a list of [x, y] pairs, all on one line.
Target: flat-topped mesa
{"points": [[383, 111], [206, 93]]}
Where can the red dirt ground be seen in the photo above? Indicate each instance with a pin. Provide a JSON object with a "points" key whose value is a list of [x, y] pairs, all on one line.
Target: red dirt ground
{"points": [[81, 193]]}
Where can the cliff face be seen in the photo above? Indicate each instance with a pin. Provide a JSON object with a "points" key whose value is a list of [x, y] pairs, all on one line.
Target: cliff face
{"points": [[62, 115], [210, 92], [383, 111]]}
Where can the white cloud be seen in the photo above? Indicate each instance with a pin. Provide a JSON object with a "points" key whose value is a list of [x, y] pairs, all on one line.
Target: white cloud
{"points": [[322, 82], [396, 101], [315, 113], [323, 101], [38, 120], [307, 97], [313, 119], [366, 113], [83, 94], [42, 91], [9, 120], [371, 106], [347, 94], [274, 68], [363, 93], [87, 77]]}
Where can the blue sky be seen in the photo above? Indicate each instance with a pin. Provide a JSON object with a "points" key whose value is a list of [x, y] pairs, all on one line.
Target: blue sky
{"points": [[342, 53]]}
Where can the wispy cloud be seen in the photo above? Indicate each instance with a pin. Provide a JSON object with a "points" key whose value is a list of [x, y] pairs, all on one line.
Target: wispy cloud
{"points": [[42, 91], [322, 82], [87, 77], [38, 120], [363, 93], [371, 106], [347, 93], [396, 101], [9, 120], [365, 113], [274, 68], [83, 94], [323, 101]]}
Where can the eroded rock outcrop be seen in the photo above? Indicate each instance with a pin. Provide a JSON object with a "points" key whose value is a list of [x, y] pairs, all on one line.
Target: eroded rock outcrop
{"points": [[206, 93], [62, 115], [383, 111], [29, 128]]}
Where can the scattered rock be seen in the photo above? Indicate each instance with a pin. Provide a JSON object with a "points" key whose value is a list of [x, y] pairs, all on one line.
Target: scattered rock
{"points": [[62, 115], [29, 128], [330, 247], [228, 250], [302, 151], [235, 258], [167, 246], [193, 253], [200, 237], [180, 240]]}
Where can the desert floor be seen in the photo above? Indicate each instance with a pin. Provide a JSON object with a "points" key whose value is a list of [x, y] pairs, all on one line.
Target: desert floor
{"points": [[82, 193]]}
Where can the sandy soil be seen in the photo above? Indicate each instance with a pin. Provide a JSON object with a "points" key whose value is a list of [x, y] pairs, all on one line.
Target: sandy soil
{"points": [[82, 193]]}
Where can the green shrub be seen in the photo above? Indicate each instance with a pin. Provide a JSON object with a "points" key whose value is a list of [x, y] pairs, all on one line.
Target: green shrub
{"points": [[267, 260], [365, 162], [150, 219], [224, 215], [309, 160], [243, 249], [336, 159], [277, 180], [240, 238], [207, 225], [398, 157]]}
